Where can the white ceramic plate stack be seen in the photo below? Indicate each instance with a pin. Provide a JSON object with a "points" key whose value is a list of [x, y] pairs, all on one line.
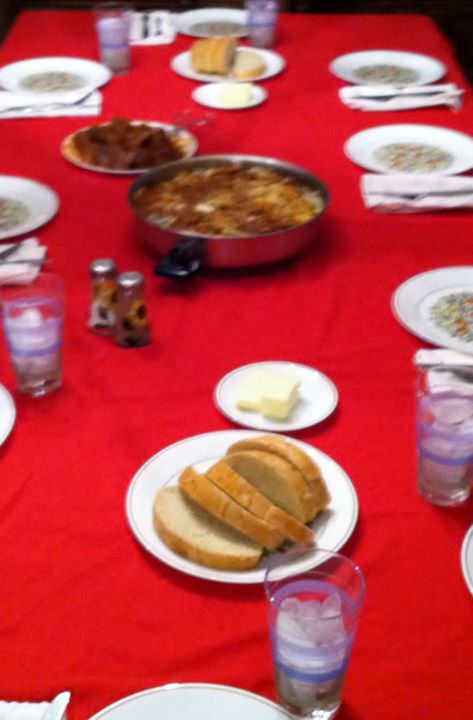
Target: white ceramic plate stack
{"points": [[427, 69], [41, 202], [92, 74], [187, 21], [467, 559], [7, 414]]}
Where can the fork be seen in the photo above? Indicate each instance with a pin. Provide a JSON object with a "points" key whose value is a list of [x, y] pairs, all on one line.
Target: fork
{"points": [[47, 106]]}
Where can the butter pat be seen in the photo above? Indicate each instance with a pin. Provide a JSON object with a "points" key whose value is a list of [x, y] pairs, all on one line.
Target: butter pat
{"points": [[273, 394], [234, 95]]}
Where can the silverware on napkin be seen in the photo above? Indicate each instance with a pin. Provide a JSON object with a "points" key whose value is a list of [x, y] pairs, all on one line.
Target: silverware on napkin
{"points": [[46, 106], [397, 97]]}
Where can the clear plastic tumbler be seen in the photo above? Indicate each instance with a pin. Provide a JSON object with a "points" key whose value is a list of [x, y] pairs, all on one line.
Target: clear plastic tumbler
{"points": [[112, 22], [313, 617]]}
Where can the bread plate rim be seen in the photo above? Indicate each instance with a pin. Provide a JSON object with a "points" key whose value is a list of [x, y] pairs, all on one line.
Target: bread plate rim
{"points": [[163, 468]]}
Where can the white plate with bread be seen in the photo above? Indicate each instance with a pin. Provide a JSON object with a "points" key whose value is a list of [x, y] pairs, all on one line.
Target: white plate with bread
{"points": [[216, 505], [216, 59]]}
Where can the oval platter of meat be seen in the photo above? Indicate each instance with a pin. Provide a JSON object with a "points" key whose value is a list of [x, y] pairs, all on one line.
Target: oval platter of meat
{"points": [[127, 147]]}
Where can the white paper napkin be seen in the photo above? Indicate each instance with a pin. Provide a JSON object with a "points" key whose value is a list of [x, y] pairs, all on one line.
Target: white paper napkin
{"points": [[152, 28], [13, 272], [54, 710], [428, 358], [394, 97], [410, 193], [70, 104]]}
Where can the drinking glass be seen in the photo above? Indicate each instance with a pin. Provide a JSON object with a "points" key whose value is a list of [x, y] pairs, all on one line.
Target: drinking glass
{"points": [[33, 318], [112, 22], [444, 429], [313, 617]]}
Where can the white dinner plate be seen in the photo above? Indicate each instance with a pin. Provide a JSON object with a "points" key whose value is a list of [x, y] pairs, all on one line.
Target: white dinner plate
{"points": [[7, 414], [187, 141], [274, 64], [428, 69], [467, 559], [187, 20], [202, 701], [208, 95], [362, 146], [412, 302], [40, 201], [333, 527], [93, 74], [318, 397]]}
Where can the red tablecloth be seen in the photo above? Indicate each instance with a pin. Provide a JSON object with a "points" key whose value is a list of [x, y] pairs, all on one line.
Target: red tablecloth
{"points": [[82, 605]]}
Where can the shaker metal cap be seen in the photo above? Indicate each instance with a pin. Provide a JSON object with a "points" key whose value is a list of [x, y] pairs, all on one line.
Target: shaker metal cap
{"points": [[130, 279], [103, 266]]}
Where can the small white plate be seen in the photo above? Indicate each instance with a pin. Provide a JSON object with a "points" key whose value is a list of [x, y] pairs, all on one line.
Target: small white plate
{"points": [[40, 200], [274, 64], [202, 700], [7, 414], [333, 527], [208, 95], [318, 397], [362, 146], [94, 74], [186, 21], [467, 559], [412, 301], [188, 140], [428, 69]]}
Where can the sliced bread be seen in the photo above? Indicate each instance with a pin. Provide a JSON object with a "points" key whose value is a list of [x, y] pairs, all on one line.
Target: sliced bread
{"points": [[203, 491], [247, 65], [275, 478], [249, 497], [298, 459], [213, 55], [195, 534]]}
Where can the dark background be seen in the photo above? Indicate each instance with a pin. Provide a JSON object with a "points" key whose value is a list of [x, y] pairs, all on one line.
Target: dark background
{"points": [[455, 17]]}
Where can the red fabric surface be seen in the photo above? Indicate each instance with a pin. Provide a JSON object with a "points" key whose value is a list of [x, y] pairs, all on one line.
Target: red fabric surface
{"points": [[82, 606]]}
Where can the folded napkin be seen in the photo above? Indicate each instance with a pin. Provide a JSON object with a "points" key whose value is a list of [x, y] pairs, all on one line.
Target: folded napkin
{"points": [[446, 369], [66, 104], [410, 193], [429, 358], [396, 97], [152, 28], [16, 269], [54, 710]]}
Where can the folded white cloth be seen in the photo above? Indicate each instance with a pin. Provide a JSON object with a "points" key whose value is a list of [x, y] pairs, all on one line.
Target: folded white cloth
{"points": [[78, 103], [410, 193], [16, 268], [156, 27], [395, 97], [446, 370], [429, 358], [54, 710]]}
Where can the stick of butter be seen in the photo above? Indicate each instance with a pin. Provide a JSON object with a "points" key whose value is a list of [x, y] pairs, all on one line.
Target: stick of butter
{"points": [[234, 95], [273, 394]]}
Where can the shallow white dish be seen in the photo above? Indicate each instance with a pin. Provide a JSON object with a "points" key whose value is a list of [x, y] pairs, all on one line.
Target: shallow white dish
{"points": [[318, 397], [412, 301], [42, 203], [203, 700], [208, 95], [94, 74], [186, 20], [467, 559], [362, 146], [333, 527], [68, 152], [274, 64], [7, 414], [427, 68]]}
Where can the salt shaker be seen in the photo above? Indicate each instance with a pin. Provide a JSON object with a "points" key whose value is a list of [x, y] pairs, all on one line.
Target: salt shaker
{"points": [[262, 16], [133, 326], [103, 274]]}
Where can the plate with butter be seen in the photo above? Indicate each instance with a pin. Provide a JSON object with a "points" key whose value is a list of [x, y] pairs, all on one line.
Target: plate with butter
{"points": [[230, 95], [276, 395]]}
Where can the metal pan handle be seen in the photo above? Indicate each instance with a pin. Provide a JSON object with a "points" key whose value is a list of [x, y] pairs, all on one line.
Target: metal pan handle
{"points": [[185, 259]]}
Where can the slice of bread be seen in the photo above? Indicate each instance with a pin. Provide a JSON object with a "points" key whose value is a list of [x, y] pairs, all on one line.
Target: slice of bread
{"points": [[247, 65], [275, 478], [298, 459], [203, 491], [213, 55], [195, 534], [249, 497]]}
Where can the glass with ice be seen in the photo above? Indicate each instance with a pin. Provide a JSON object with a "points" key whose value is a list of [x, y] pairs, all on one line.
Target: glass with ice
{"points": [[33, 322], [313, 616], [445, 434]]}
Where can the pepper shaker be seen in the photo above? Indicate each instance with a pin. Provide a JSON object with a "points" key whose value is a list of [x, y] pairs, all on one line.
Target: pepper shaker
{"points": [[103, 273], [133, 327]]}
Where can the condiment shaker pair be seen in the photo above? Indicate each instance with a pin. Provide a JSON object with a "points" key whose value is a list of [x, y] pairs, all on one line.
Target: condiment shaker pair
{"points": [[118, 306]]}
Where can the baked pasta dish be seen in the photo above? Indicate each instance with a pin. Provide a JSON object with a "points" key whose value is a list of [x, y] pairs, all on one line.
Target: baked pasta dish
{"points": [[229, 201]]}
